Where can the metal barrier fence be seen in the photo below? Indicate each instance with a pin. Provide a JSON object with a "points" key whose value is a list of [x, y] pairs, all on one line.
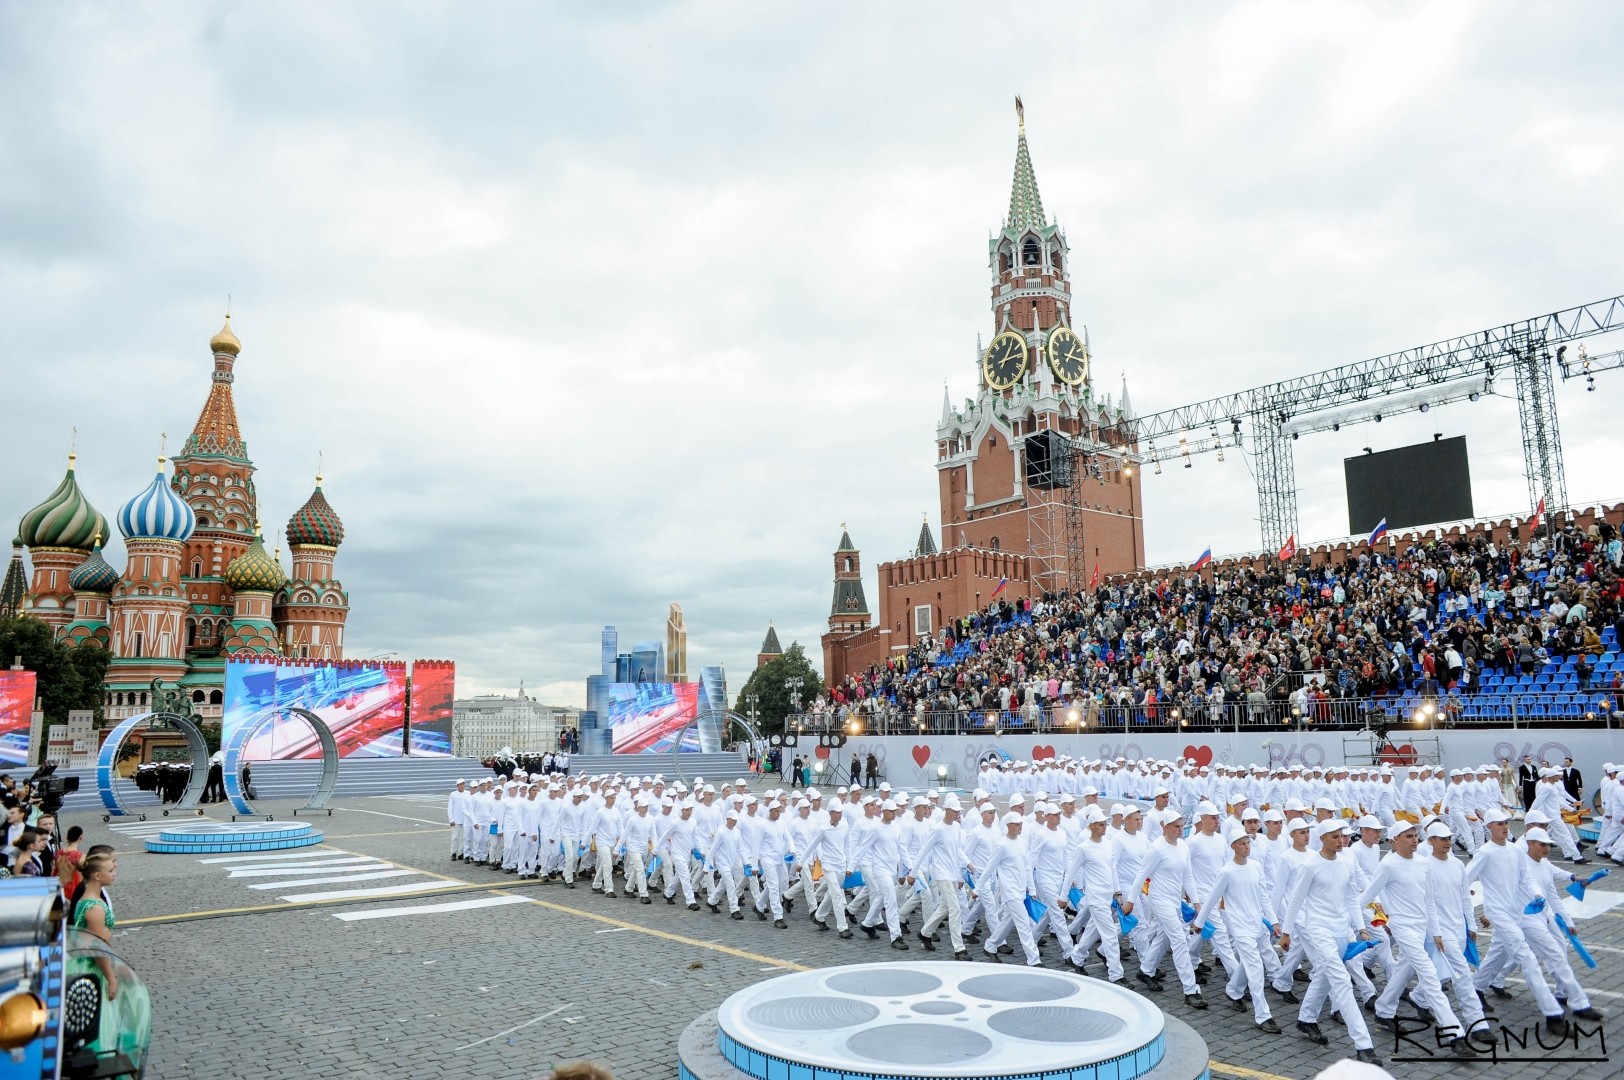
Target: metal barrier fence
{"points": [[1406, 712]]}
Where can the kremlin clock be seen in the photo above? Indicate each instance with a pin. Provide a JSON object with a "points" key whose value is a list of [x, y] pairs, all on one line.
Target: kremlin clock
{"points": [[1004, 362], [1068, 356]]}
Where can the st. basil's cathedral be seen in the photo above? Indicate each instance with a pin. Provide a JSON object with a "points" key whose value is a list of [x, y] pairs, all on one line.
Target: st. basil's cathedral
{"points": [[198, 586]]}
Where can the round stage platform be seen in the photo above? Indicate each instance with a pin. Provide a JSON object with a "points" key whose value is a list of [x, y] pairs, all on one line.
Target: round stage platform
{"points": [[929, 1020], [213, 837]]}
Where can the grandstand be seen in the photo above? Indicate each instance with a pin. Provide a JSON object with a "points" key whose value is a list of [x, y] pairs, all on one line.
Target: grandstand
{"points": [[1489, 622]]}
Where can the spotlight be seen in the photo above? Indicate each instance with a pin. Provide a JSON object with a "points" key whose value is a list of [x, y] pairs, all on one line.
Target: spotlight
{"points": [[1294, 436], [1473, 396], [1368, 450], [1336, 427], [1378, 418], [1158, 468], [1436, 435], [1425, 406]]}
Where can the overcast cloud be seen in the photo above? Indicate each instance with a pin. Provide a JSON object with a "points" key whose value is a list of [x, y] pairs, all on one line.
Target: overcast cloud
{"points": [[594, 308]]}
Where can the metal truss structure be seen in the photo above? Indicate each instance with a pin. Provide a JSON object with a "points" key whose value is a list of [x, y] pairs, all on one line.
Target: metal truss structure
{"points": [[1411, 380]]}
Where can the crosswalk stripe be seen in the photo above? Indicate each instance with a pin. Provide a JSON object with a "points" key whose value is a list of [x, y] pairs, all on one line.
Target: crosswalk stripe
{"points": [[381, 890], [348, 866], [262, 856], [301, 882], [430, 909]]}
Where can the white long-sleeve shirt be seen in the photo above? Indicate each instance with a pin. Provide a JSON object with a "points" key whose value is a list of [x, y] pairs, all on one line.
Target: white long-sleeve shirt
{"points": [[1404, 888], [1008, 868], [1506, 875], [1323, 899], [1167, 867], [1238, 890], [1093, 869]]}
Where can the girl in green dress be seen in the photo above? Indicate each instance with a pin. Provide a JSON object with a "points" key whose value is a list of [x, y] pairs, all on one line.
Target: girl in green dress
{"points": [[126, 1013]]}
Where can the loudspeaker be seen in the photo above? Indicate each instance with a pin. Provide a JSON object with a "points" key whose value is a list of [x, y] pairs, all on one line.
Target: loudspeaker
{"points": [[1048, 460]]}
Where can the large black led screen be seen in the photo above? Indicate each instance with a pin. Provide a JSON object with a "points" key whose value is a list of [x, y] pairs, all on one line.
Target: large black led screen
{"points": [[1412, 485]]}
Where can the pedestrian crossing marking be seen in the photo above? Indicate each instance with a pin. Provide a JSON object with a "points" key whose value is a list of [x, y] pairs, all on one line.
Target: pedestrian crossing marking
{"points": [[368, 875], [337, 866], [430, 909], [278, 856], [382, 890]]}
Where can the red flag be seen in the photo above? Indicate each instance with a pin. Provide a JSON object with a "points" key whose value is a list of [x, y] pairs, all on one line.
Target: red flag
{"points": [[1539, 512], [1288, 550], [1094, 582]]}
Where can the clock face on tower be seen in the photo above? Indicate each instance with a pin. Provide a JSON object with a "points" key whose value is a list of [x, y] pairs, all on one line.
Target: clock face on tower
{"points": [[1068, 356], [1004, 362]]}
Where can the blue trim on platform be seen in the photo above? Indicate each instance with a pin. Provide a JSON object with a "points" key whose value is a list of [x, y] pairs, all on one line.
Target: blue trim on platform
{"points": [[763, 1066], [217, 844]]}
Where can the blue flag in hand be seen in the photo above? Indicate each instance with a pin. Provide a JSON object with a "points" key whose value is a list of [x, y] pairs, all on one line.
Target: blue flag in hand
{"points": [[1573, 939], [1125, 922], [1576, 888], [1471, 948], [1186, 912], [1354, 948], [1207, 930], [1535, 906], [854, 880], [969, 882], [1035, 909], [1075, 896], [653, 865]]}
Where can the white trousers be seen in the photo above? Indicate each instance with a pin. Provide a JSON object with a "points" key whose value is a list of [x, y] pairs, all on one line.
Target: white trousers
{"points": [[1170, 934], [1102, 929], [1412, 960], [456, 838], [1004, 913], [1510, 949], [1331, 979], [947, 910], [1248, 945]]}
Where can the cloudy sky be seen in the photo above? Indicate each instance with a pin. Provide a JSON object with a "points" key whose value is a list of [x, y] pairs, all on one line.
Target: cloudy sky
{"points": [[596, 307]]}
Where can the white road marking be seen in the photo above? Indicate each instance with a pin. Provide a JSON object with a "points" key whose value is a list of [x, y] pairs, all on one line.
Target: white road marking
{"points": [[380, 813], [266, 856], [354, 866], [516, 1027], [430, 909], [381, 890], [329, 880], [616, 930]]}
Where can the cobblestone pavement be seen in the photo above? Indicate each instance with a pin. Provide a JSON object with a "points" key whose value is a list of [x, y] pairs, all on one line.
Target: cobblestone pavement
{"points": [[248, 984]]}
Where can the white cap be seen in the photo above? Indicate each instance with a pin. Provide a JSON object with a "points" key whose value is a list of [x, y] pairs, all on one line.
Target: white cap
{"points": [[888, 805], [836, 806], [1439, 831], [1495, 814], [1094, 816], [1206, 809], [1329, 826], [1273, 814], [1297, 823], [1537, 834], [952, 802], [1536, 817], [1399, 828], [1250, 814], [1325, 804], [1370, 821], [1013, 819], [1169, 816]]}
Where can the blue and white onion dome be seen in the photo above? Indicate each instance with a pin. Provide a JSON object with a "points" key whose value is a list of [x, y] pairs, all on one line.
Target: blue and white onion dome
{"points": [[157, 513]]}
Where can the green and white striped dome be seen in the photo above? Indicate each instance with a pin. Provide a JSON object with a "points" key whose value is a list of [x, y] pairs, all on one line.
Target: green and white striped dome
{"points": [[65, 519]]}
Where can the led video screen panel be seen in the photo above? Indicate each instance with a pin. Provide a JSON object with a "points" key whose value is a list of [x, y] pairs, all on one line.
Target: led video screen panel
{"points": [[434, 687], [363, 704], [1411, 485], [647, 717], [16, 715]]}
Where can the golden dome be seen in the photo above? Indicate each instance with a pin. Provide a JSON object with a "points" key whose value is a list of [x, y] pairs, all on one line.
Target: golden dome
{"points": [[225, 341]]}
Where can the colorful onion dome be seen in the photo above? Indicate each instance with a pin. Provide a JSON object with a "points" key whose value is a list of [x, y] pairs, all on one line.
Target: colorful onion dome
{"points": [[93, 575], [157, 513], [316, 522], [65, 519], [225, 341], [255, 570]]}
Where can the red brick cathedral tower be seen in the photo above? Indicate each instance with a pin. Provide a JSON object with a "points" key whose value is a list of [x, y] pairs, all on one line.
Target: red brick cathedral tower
{"points": [[1022, 513], [216, 478]]}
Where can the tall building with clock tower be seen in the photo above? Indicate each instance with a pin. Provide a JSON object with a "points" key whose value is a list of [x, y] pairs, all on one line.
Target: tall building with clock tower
{"points": [[1036, 478]]}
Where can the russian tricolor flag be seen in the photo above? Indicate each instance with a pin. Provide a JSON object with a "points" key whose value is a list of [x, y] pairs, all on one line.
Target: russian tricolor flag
{"points": [[1378, 532], [1206, 557], [1002, 582]]}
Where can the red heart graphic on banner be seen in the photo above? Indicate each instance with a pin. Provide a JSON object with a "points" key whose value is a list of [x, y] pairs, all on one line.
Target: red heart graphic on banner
{"points": [[1400, 755], [921, 754], [1040, 753], [1201, 755], [822, 752]]}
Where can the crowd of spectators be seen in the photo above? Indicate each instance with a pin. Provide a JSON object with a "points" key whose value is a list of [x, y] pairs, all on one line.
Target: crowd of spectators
{"points": [[1435, 618]]}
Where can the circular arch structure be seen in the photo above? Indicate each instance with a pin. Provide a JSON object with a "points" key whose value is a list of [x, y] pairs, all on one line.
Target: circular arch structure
{"points": [[713, 727], [107, 763], [243, 734]]}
